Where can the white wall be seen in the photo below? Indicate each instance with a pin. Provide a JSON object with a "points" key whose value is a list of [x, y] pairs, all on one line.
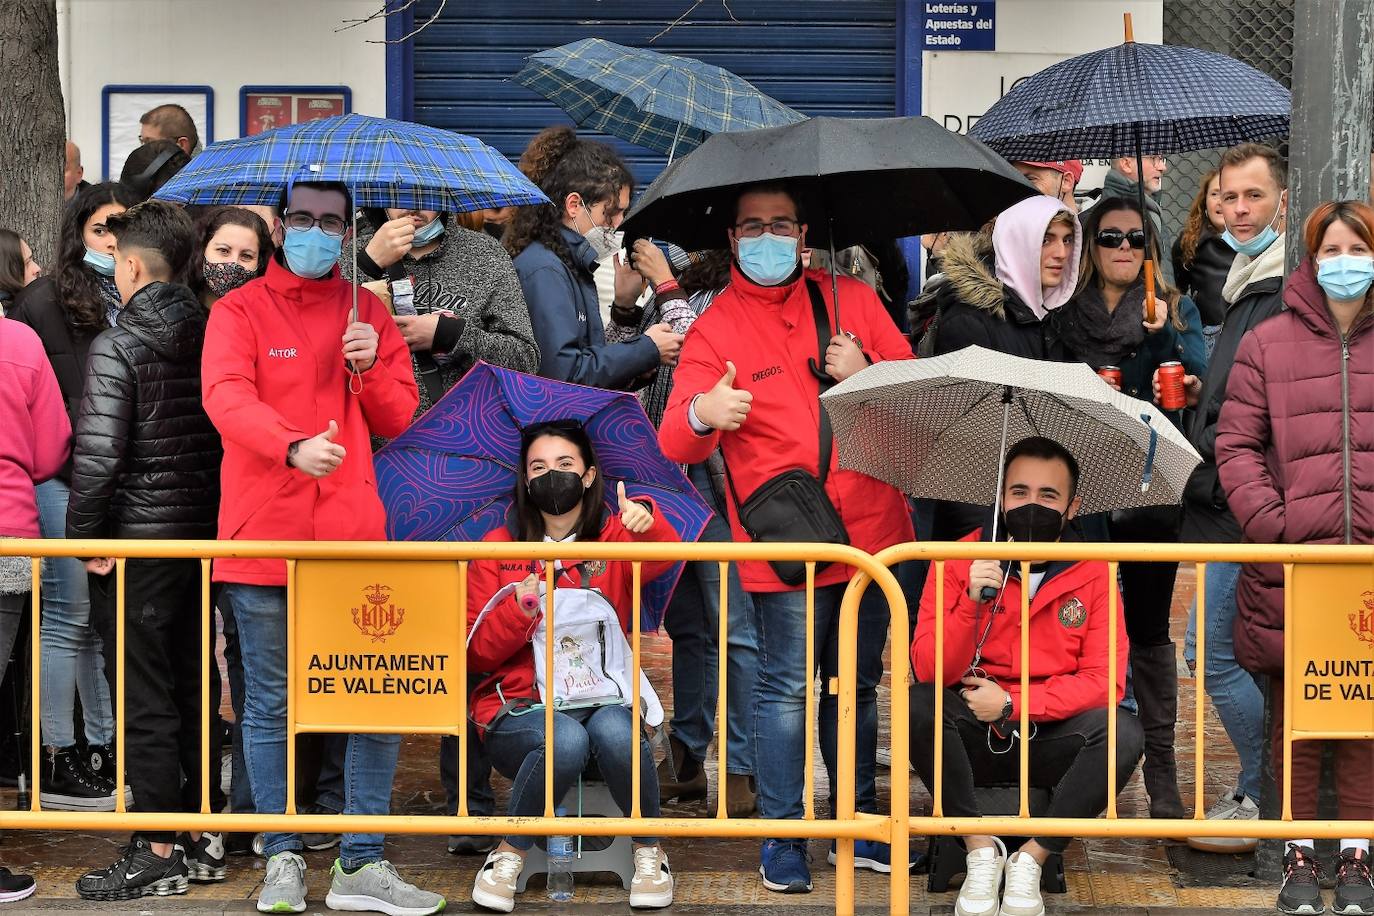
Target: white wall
{"points": [[225, 44], [958, 86]]}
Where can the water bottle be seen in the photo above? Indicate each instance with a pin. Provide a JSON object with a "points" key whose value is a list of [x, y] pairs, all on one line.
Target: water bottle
{"points": [[560, 861]]}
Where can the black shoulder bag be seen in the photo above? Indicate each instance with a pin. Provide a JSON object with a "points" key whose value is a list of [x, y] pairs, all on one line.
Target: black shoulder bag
{"points": [[793, 506]]}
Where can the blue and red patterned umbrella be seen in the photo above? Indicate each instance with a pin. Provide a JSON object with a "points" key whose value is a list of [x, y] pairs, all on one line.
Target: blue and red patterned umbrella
{"points": [[451, 476]]}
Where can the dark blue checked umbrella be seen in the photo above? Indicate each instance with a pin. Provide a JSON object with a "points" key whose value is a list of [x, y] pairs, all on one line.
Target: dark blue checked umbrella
{"points": [[451, 476], [1135, 99], [662, 102], [386, 163]]}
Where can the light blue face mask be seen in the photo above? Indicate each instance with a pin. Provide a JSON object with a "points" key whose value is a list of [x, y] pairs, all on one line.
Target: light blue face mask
{"points": [[768, 259], [311, 253], [102, 264], [1257, 244], [1345, 277], [428, 232]]}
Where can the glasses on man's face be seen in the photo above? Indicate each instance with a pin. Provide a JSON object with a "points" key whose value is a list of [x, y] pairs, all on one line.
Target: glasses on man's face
{"points": [[1112, 238], [329, 224], [753, 228]]}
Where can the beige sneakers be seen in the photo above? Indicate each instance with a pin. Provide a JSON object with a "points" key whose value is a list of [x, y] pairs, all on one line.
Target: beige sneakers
{"points": [[652, 886], [982, 880], [494, 888]]}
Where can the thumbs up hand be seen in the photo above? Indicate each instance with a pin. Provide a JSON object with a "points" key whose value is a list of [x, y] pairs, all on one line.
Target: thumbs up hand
{"points": [[636, 518], [319, 455], [724, 407]]}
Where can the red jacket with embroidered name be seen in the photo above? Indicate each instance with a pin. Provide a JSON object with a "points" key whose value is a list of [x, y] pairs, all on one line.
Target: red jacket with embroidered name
{"points": [[1068, 637], [500, 647]]}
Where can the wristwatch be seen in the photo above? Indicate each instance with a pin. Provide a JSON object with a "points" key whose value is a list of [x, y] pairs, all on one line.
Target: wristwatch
{"points": [[1007, 708]]}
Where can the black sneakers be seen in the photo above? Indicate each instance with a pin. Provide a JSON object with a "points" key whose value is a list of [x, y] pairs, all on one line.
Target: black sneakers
{"points": [[1301, 893], [137, 873], [100, 760], [1354, 889], [15, 887], [67, 785], [204, 857]]}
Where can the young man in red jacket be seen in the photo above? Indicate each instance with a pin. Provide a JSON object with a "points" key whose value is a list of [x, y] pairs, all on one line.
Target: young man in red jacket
{"points": [[281, 363], [745, 384], [1069, 652]]}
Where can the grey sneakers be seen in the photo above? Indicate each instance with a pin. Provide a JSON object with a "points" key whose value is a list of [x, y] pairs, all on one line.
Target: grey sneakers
{"points": [[1232, 806], [377, 888], [283, 891]]}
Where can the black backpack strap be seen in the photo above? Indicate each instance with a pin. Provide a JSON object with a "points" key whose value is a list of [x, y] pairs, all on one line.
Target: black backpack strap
{"points": [[822, 316]]}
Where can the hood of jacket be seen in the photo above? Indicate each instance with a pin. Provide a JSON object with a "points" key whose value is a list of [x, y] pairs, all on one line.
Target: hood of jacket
{"points": [[1118, 185], [1303, 296], [1017, 238], [168, 318], [968, 273]]}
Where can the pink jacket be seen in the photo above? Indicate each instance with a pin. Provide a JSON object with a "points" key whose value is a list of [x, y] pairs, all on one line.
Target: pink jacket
{"points": [[35, 434]]}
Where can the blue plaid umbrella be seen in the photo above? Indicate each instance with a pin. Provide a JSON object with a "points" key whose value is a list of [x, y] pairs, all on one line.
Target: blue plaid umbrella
{"points": [[452, 475], [386, 164], [1135, 98], [659, 101]]}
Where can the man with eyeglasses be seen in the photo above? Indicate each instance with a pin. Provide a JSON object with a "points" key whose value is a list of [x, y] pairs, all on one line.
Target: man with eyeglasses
{"points": [[1121, 181], [295, 388], [748, 382]]}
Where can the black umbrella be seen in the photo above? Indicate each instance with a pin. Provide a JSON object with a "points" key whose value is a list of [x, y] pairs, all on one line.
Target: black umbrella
{"points": [[857, 180]]}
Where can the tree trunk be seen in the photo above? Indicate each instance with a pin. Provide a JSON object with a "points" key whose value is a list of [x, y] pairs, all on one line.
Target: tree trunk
{"points": [[32, 125]]}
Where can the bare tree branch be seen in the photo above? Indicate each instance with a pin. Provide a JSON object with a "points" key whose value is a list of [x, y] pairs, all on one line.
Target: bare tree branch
{"points": [[676, 22], [382, 13], [389, 10]]}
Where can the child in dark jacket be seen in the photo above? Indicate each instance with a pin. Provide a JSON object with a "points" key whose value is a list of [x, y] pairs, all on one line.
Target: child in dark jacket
{"points": [[146, 465]]}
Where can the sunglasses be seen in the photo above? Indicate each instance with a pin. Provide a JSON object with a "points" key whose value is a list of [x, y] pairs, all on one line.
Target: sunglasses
{"points": [[1112, 238]]}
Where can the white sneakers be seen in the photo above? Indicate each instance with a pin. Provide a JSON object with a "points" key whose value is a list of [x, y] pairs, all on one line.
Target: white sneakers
{"points": [[1232, 806], [1021, 890], [995, 885], [494, 888], [652, 886], [982, 880]]}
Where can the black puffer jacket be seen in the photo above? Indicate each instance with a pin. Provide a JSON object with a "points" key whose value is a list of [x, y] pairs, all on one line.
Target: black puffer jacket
{"points": [[1204, 278], [974, 307], [146, 456]]}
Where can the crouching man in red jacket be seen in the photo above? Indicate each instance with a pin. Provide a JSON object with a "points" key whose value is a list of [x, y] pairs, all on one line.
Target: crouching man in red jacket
{"points": [[982, 682]]}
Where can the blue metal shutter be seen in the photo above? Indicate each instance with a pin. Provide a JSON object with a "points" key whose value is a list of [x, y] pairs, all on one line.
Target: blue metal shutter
{"points": [[819, 56]]}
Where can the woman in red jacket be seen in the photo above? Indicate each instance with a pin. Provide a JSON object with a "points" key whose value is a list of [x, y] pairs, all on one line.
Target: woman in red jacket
{"points": [[1295, 450], [559, 498]]}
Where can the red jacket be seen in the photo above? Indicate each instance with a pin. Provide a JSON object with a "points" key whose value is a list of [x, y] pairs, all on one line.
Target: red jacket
{"points": [[500, 647], [769, 334], [1282, 449], [272, 373], [1068, 638]]}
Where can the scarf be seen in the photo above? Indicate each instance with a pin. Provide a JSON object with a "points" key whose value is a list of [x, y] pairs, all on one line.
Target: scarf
{"points": [[1245, 271], [109, 292], [1099, 337], [16, 576]]}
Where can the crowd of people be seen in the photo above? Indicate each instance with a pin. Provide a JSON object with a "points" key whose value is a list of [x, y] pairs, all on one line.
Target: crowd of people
{"points": [[196, 373]]}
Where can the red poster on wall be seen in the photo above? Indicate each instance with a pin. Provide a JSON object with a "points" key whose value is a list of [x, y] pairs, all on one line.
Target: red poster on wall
{"points": [[264, 112], [315, 107]]}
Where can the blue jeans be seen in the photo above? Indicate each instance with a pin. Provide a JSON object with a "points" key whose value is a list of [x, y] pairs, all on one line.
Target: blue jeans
{"points": [[1234, 691], [370, 760], [515, 745], [240, 793], [693, 622], [780, 718], [71, 649]]}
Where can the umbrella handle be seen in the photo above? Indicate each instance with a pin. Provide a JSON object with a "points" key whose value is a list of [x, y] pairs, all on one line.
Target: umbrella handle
{"points": [[1150, 290]]}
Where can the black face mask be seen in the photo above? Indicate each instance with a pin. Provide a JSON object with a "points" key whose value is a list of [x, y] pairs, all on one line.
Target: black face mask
{"points": [[556, 492], [1034, 524]]}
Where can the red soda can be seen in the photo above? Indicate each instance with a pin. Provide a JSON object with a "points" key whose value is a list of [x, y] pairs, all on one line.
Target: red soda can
{"points": [[1171, 386], [1111, 374]]}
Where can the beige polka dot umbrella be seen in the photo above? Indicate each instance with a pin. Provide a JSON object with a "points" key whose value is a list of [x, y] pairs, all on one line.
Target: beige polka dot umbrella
{"points": [[937, 428]]}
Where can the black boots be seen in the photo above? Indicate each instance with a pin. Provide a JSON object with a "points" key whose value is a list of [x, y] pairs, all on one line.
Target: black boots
{"points": [[1154, 676]]}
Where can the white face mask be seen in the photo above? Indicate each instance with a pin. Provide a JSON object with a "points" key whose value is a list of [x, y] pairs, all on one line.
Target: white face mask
{"points": [[604, 240]]}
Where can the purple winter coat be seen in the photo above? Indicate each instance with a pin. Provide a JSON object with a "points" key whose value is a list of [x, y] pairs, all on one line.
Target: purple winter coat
{"points": [[1295, 449]]}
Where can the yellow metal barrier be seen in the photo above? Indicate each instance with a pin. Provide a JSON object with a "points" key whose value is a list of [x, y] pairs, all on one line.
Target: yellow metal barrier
{"points": [[895, 827], [845, 828], [1358, 559]]}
